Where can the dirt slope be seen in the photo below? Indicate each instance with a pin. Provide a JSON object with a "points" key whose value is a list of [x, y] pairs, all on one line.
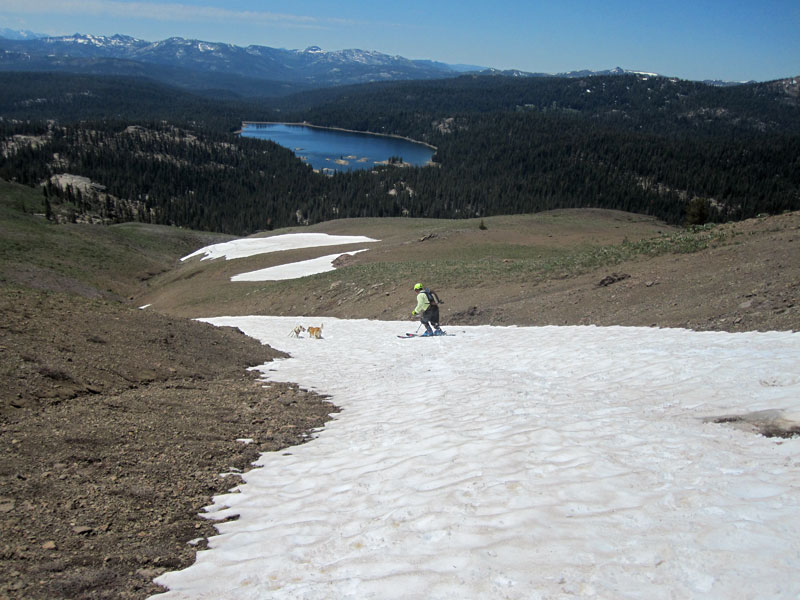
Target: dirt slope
{"points": [[748, 282], [115, 426]]}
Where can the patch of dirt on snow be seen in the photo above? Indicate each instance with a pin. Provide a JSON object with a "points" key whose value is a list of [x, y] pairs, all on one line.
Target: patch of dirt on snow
{"points": [[116, 426], [769, 423]]}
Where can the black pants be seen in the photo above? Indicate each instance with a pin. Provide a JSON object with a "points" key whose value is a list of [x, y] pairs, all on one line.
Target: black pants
{"points": [[430, 317]]}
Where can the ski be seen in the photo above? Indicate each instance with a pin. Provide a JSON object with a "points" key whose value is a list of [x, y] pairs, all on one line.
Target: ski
{"points": [[415, 335]]}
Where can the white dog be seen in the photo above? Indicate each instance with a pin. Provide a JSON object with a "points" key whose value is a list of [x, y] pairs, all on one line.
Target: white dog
{"points": [[297, 331]]}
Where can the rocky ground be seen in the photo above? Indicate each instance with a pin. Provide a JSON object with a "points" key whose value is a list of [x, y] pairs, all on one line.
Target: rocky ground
{"points": [[116, 428]]}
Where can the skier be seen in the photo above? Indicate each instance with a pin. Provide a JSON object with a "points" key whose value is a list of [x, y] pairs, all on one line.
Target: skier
{"points": [[428, 310]]}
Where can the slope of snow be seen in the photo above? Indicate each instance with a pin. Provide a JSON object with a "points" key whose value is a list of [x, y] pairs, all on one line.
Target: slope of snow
{"points": [[294, 270], [244, 247], [537, 462]]}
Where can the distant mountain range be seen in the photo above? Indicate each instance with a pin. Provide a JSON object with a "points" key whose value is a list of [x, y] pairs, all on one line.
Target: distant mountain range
{"points": [[224, 69], [200, 65], [19, 34]]}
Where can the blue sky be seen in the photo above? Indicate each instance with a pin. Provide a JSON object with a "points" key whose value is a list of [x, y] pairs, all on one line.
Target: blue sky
{"points": [[692, 39]]}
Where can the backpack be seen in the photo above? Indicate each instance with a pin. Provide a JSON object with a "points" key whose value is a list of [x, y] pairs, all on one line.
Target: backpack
{"points": [[433, 297]]}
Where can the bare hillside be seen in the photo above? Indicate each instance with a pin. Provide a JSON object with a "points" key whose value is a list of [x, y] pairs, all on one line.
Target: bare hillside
{"points": [[570, 267]]}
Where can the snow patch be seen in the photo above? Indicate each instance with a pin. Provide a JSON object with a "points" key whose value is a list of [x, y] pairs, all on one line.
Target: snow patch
{"points": [[245, 247], [294, 270]]}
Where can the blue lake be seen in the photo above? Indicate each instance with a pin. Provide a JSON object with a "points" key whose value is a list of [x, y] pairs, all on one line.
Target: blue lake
{"points": [[336, 150]]}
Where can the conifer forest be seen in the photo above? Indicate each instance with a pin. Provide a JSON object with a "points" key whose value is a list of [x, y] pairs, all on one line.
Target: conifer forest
{"points": [[682, 151]]}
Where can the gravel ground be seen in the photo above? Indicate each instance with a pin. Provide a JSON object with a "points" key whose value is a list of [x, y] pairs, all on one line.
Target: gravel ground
{"points": [[118, 425]]}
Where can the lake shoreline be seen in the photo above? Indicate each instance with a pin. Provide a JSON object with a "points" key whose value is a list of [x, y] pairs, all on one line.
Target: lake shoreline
{"points": [[342, 129]]}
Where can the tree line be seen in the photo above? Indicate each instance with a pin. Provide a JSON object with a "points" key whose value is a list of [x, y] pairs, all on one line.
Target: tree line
{"points": [[680, 151]]}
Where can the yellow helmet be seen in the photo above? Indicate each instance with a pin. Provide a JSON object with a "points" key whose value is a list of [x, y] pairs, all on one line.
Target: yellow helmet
{"points": [[417, 287]]}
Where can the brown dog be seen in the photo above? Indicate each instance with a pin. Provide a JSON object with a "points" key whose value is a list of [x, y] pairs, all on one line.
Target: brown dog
{"points": [[315, 332]]}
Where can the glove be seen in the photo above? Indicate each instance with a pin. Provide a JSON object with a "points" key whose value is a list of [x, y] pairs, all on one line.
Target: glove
{"points": [[413, 313]]}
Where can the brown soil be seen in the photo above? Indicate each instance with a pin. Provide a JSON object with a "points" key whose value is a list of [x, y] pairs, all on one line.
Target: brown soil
{"points": [[749, 282], [116, 426]]}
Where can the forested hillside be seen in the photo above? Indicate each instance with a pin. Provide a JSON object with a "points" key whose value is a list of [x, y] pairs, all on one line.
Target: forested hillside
{"points": [[633, 102], [72, 98], [681, 151], [158, 173]]}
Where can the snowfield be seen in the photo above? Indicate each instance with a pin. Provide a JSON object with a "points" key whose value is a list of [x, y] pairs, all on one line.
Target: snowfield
{"points": [[244, 247], [517, 462], [294, 270]]}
